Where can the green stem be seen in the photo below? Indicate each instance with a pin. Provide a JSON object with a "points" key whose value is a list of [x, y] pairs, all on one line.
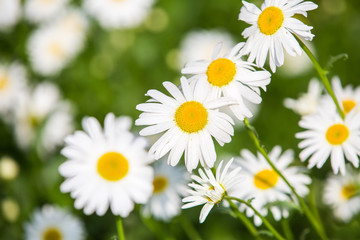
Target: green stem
{"points": [[120, 228], [266, 222], [322, 74], [245, 220], [157, 228], [317, 225], [189, 229], [287, 229]]}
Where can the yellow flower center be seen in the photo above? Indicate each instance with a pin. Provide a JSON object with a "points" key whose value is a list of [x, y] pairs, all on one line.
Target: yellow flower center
{"points": [[348, 105], [52, 234], [220, 72], [56, 50], [266, 179], [191, 117], [337, 134], [159, 184], [4, 80], [270, 20], [112, 166], [349, 191]]}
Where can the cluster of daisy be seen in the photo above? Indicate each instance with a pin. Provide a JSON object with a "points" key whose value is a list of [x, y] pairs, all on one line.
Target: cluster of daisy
{"points": [[38, 114]]}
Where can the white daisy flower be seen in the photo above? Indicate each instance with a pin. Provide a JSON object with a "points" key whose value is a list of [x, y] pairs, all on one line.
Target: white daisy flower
{"points": [[54, 223], [119, 13], [265, 186], [10, 13], [169, 185], [35, 110], [190, 118], [272, 29], [12, 82], [342, 194], [53, 46], [307, 103], [210, 190], [348, 97], [231, 77], [328, 135], [199, 44], [37, 11], [106, 168]]}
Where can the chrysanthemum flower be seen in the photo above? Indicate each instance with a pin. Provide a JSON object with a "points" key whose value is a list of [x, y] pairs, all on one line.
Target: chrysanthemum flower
{"points": [[52, 46], [348, 97], [106, 168], [328, 135], [199, 44], [272, 29], [51, 223], [12, 83], [308, 102], [265, 186], [231, 77], [10, 13], [119, 13], [37, 11], [209, 190], [342, 194], [169, 186], [190, 118]]}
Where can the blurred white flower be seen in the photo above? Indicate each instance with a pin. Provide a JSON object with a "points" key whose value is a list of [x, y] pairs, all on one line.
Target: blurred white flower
{"points": [[10, 209], [37, 11], [43, 115], [342, 194], [54, 45], [118, 13], [200, 44], [10, 12], [263, 184], [169, 186], [54, 223], [307, 103], [12, 83]]}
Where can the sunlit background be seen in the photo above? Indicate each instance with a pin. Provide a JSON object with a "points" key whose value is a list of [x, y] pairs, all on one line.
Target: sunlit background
{"points": [[74, 62]]}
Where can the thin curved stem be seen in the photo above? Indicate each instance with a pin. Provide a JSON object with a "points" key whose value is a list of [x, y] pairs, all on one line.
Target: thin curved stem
{"points": [[245, 220], [189, 229], [266, 222], [316, 224], [120, 228], [322, 74]]}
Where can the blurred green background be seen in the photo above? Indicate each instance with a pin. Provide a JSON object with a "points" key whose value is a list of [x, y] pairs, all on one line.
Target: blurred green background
{"points": [[117, 67]]}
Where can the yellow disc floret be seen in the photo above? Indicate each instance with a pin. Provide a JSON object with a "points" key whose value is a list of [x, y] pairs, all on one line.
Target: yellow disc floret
{"points": [[159, 183], [52, 234], [112, 166], [221, 72], [191, 117], [3, 81], [337, 134], [348, 105], [349, 191], [266, 179], [270, 20]]}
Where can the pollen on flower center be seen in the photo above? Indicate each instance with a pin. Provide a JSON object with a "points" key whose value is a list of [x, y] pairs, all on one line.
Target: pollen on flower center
{"points": [[3, 81], [348, 191], [191, 117], [348, 105], [337, 134], [270, 20], [56, 50], [266, 179], [215, 195], [112, 166], [159, 184], [52, 234], [221, 72]]}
